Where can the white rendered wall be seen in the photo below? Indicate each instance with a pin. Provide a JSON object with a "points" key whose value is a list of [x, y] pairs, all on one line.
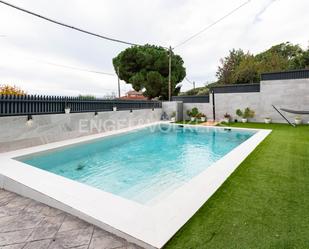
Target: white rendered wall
{"points": [[16, 134], [289, 94]]}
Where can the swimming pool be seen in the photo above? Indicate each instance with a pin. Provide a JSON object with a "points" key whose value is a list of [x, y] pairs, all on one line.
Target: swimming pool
{"points": [[143, 165], [142, 183]]}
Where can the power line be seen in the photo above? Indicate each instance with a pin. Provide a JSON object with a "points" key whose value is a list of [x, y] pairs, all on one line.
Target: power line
{"points": [[212, 24], [74, 28], [191, 82], [81, 69], [73, 68], [66, 25], [76, 68], [188, 80], [67, 66]]}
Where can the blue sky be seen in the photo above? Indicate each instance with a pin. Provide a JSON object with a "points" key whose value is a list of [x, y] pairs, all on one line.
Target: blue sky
{"points": [[28, 44]]}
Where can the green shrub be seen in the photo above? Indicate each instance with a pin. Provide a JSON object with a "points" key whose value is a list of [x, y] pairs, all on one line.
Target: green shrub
{"points": [[193, 113], [239, 113], [247, 113]]}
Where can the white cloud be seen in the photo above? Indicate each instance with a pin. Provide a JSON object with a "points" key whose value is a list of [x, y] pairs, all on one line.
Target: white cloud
{"points": [[28, 41]]}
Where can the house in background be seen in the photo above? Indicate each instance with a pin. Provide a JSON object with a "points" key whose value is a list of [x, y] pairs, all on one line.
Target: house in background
{"points": [[134, 95]]}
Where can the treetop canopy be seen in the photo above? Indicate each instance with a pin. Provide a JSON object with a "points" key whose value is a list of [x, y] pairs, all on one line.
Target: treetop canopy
{"points": [[147, 67]]}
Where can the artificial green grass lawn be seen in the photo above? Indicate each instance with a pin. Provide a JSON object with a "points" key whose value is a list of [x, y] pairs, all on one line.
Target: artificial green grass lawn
{"points": [[263, 204]]}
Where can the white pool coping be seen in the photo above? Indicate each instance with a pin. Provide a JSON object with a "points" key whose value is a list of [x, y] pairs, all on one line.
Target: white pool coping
{"points": [[148, 226]]}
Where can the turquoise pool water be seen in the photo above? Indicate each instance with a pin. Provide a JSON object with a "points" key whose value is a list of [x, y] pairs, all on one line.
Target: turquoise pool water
{"points": [[141, 165]]}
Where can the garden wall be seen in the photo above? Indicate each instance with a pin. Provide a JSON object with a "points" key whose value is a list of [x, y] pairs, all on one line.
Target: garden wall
{"points": [[170, 107], [289, 94], [205, 108], [283, 93], [17, 133], [230, 102]]}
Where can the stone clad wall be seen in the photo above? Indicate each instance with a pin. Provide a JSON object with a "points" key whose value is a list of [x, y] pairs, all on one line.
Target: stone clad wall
{"points": [[15, 133]]}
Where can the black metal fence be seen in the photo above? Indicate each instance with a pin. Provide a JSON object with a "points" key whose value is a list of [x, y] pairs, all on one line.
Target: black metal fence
{"points": [[287, 75], [239, 88], [192, 99], [11, 105]]}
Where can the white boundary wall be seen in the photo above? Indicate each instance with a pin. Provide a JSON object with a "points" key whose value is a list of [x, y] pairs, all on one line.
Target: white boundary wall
{"points": [[289, 94], [230, 102], [205, 108]]}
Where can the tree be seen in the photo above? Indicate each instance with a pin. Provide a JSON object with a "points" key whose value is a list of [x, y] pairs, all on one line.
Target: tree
{"points": [[279, 57], [11, 90], [247, 71], [305, 60], [272, 62], [87, 97], [229, 64], [301, 61], [146, 68], [239, 67], [286, 50], [199, 91]]}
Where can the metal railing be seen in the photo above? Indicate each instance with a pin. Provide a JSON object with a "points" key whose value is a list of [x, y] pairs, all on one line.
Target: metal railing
{"points": [[192, 99], [287, 75], [11, 105]]}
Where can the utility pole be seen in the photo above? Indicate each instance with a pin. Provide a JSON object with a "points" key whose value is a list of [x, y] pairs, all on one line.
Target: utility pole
{"points": [[118, 82], [170, 74], [193, 84]]}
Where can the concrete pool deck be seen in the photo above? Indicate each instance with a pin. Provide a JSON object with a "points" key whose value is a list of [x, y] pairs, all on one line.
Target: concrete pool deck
{"points": [[27, 224]]}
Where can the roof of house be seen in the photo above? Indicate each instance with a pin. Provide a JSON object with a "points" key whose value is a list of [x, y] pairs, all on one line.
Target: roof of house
{"points": [[132, 92], [134, 95]]}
